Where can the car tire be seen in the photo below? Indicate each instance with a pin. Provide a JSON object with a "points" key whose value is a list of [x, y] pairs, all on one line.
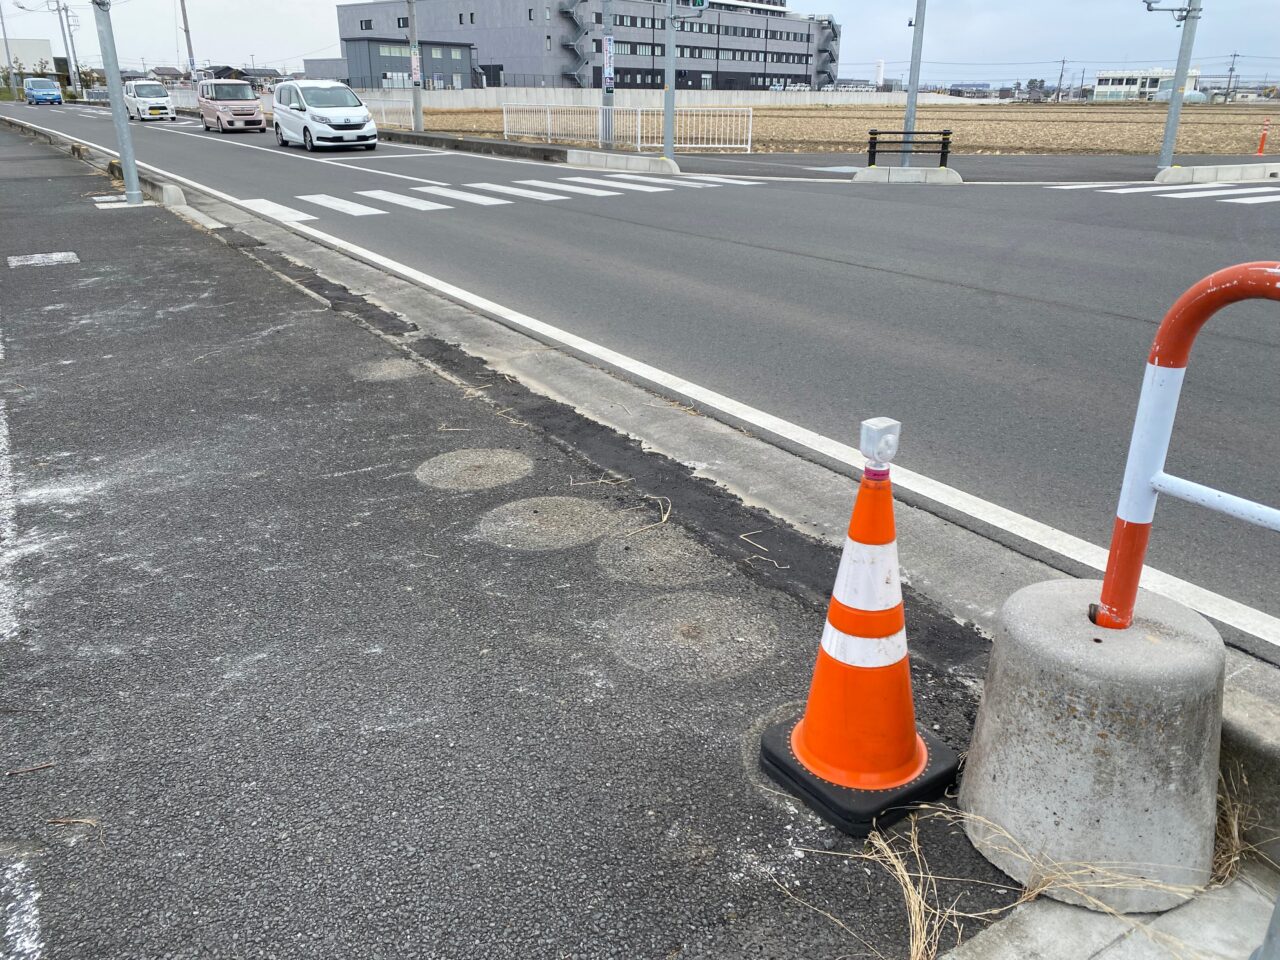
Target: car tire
{"points": [[220, 127], [371, 146], [280, 137], [308, 143]]}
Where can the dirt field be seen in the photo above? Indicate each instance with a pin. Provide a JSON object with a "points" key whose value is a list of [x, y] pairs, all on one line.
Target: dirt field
{"points": [[1024, 128]]}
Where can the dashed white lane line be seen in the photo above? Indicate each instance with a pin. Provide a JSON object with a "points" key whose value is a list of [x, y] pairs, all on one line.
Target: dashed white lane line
{"points": [[275, 211], [401, 200], [570, 188], [462, 195], [1252, 621], [43, 259], [349, 207], [516, 191], [638, 187]]}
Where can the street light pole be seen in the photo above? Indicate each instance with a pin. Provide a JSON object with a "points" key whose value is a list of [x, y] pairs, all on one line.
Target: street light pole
{"points": [[120, 119], [913, 84], [415, 65], [8, 59], [186, 29], [606, 73], [1188, 16]]}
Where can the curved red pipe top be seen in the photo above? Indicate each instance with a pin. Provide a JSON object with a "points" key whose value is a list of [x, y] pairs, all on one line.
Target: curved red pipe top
{"points": [[1244, 281]]}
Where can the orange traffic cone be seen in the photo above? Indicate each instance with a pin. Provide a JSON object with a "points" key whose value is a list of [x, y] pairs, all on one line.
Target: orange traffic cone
{"points": [[856, 756]]}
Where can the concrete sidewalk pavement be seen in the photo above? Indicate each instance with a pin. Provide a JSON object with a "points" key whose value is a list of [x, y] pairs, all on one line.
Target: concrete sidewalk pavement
{"points": [[313, 649]]}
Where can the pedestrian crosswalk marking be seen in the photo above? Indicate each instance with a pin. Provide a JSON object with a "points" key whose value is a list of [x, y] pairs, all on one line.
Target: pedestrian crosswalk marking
{"points": [[570, 188], [400, 200], [637, 187], [517, 191], [1088, 186], [1165, 187], [663, 181], [276, 211], [1271, 199], [1225, 192], [342, 206], [462, 195], [726, 180]]}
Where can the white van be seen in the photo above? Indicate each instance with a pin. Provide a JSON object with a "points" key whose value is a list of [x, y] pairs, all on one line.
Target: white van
{"points": [[148, 100], [322, 113]]}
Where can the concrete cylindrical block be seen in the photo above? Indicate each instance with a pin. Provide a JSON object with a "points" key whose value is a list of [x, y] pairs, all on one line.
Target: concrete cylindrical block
{"points": [[1095, 753]]}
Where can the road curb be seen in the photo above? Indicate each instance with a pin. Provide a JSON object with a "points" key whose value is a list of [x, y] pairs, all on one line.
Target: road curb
{"points": [[1220, 172], [934, 175]]}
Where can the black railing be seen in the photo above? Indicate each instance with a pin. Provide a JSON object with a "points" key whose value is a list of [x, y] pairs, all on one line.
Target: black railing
{"points": [[939, 145]]}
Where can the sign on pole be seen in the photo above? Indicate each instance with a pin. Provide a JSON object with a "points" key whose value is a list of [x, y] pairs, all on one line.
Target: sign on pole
{"points": [[607, 74], [415, 68]]}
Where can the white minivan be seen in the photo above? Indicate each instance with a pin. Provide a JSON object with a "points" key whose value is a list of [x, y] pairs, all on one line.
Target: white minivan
{"points": [[148, 100], [322, 113]]}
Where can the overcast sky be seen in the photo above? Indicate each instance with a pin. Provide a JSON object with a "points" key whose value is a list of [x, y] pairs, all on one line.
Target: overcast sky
{"points": [[996, 40]]}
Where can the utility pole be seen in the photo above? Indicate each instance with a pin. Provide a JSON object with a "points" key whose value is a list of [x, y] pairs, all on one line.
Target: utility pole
{"points": [[74, 65], [66, 47], [1231, 73], [669, 89], [1188, 17], [8, 59], [124, 136], [186, 29], [913, 85], [606, 73], [1058, 90], [415, 65]]}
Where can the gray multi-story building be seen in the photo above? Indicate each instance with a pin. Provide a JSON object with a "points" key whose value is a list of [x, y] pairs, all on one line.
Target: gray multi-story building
{"points": [[732, 45]]}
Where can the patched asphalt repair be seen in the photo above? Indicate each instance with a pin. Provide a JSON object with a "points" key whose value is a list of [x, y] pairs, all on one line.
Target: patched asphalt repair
{"points": [[341, 646]]}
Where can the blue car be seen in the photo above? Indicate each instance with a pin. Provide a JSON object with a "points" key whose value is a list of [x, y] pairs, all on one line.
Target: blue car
{"points": [[39, 90]]}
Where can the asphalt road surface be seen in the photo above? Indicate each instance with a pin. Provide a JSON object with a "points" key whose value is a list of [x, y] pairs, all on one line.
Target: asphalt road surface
{"points": [[1005, 325]]}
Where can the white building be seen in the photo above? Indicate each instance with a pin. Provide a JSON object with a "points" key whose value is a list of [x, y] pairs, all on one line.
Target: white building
{"points": [[27, 54], [1137, 84]]}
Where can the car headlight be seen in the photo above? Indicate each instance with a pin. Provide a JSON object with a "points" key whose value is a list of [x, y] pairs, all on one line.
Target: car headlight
{"points": [[320, 119]]}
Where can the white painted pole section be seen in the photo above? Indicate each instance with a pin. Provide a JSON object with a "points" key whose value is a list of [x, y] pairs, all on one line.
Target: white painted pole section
{"points": [[1228, 503], [868, 577], [1152, 428], [864, 651]]}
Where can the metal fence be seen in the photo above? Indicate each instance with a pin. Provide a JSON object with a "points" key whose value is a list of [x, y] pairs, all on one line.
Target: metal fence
{"points": [[629, 128], [390, 113]]}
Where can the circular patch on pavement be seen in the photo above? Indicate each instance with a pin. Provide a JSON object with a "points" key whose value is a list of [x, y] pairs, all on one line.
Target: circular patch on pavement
{"points": [[694, 635], [474, 469], [662, 556], [382, 370], [546, 523]]}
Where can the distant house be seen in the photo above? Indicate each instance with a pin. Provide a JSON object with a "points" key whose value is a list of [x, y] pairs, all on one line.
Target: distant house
{"points": [[260, 77], [127, 75], [166, 75]]}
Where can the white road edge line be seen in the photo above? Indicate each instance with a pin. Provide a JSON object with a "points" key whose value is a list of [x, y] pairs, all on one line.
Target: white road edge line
{"points": [[1254, 622], [19, 897]]}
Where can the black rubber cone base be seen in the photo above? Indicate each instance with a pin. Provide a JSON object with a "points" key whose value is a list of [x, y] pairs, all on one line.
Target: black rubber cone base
{"points": [[856, 812]]}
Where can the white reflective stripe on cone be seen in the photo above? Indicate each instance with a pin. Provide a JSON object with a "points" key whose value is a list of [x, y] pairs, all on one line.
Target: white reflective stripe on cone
{"points": [[1152, 428], [868, 577], [864, 651]]}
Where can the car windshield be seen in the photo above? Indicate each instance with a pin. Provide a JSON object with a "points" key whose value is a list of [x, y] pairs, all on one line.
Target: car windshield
{"points": [[41, 85], [149, 90], [231, 91], [329, 97]]}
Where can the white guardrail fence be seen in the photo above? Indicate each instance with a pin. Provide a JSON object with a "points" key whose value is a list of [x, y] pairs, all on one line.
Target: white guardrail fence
{"points": [[637, 128]]}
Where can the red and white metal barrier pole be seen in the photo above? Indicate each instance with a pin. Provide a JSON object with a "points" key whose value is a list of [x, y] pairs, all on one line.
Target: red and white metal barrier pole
{"points": [[1144, 476], [1262, 142]]}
